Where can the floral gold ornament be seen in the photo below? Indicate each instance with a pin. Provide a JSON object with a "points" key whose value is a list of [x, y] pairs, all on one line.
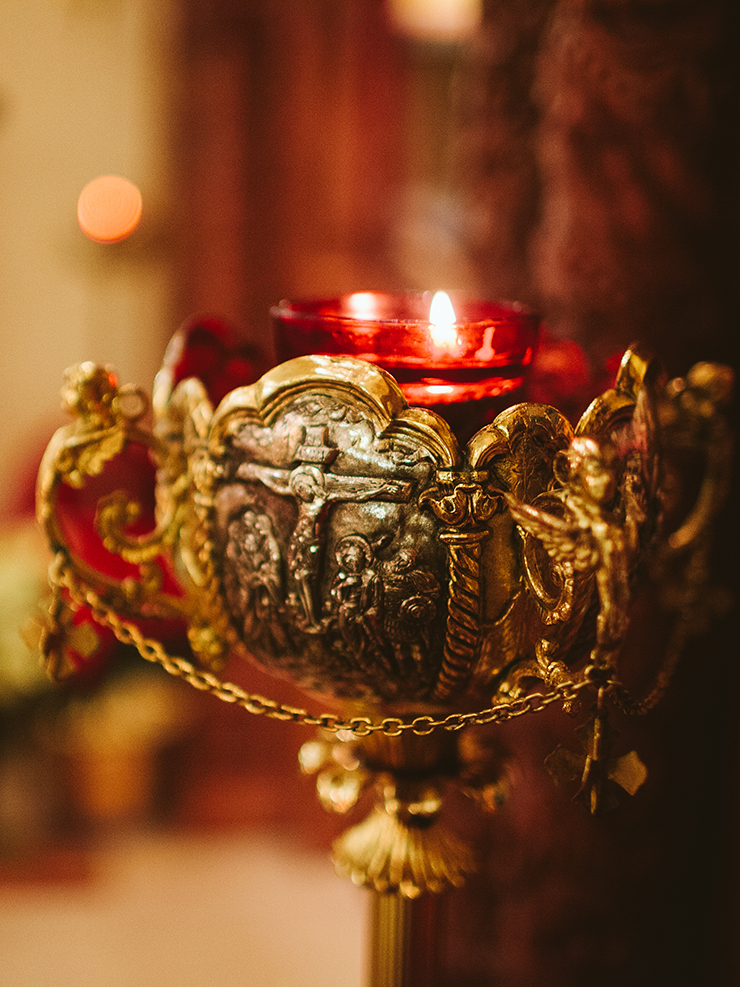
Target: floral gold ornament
{"points": [[316, 524]]}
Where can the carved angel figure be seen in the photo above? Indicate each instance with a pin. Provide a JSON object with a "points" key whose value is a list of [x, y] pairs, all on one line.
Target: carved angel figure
{"points": [[588, 538]]}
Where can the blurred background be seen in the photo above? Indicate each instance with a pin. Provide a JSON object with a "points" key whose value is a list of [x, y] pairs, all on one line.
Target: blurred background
{"points": [[580, 156]]}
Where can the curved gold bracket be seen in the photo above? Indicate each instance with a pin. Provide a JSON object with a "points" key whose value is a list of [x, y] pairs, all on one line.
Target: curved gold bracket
{"points": [[105, 427]]}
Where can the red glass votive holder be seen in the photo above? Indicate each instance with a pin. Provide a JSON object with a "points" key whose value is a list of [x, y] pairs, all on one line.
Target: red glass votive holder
{"points": [[467, 370]]}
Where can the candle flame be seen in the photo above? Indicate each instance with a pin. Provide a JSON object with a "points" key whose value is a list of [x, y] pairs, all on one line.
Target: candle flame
{"points": [[442, 320]]}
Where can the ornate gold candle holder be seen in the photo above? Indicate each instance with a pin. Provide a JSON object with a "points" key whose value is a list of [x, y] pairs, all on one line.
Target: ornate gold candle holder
{"points": [[317, 524]]}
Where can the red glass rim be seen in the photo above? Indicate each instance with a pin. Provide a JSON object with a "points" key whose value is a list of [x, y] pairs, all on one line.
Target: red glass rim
{"points": [[411, 307], [394, 330]]}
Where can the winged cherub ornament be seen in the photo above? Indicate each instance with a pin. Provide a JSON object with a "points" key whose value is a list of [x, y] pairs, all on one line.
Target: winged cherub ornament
{"points": [[586, 539]]}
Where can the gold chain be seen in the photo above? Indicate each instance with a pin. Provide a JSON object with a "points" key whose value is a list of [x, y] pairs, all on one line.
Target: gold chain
{"points": [[81, 596]]}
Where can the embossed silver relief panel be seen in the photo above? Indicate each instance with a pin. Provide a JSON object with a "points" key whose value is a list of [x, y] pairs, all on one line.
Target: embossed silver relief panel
{"points": [[327, 556]]}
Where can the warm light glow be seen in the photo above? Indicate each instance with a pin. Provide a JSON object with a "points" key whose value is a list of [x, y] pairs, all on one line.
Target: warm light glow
{"points": [[109, 209], [362, 305], [436, 20], [442, 321]]}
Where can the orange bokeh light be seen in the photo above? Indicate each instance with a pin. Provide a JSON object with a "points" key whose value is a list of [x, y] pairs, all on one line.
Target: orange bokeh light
{"points": [[109, 209]]}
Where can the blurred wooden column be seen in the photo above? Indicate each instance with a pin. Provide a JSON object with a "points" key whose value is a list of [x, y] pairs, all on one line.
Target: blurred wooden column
{"points": [[291, 151], [637, 149], [213, 163], [597, 152], [494, 145]]}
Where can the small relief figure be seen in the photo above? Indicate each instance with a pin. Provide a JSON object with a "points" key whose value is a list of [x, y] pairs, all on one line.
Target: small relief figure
{"points": [[410, 594], [254, 553], [308, 487], [357, 598], [383, 609], [314, 491], [587, 539]]}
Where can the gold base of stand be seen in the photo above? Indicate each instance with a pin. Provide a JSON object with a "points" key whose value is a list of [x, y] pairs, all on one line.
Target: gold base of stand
{"points": [[402, 851]]}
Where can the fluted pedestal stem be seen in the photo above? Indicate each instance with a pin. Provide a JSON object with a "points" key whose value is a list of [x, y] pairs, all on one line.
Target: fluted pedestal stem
{"points": [[406, 940]]}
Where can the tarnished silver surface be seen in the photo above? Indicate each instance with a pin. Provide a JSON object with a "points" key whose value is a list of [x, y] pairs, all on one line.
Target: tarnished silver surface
{"points": [[330, 569], [357, 550]]}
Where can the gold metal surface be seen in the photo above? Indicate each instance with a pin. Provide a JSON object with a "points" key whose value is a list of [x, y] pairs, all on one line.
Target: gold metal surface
{"points": [[318, 526], [324, 529]]}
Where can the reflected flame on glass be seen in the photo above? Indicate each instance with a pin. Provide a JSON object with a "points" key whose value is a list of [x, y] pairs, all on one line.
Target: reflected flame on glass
{"points": [[363, 305], [442, 319], [486, 352]]}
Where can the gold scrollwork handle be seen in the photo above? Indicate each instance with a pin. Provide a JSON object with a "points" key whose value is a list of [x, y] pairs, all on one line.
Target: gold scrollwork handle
{"points": [[106, 424]]}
